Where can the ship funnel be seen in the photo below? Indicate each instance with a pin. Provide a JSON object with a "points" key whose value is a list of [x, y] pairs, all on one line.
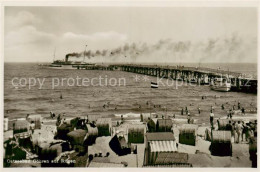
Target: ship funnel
{"points": [[71, 54], [67, 57]]}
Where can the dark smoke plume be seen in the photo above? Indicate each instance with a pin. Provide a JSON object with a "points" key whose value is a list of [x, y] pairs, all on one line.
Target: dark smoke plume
{"points": [[227, 49]]}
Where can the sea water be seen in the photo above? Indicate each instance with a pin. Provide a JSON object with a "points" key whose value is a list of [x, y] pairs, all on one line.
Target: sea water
{"points": [[134, 96]]}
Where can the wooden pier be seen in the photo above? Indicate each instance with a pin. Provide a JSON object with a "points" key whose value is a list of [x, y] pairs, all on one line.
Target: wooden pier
{"points": [[196, 75]]}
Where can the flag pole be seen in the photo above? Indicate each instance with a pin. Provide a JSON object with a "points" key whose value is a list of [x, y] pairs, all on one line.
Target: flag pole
{"points": [[85, 53], [54, 54], [150, 109]]}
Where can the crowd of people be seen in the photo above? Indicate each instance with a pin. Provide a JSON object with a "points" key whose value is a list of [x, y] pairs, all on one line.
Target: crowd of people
{"points": [[241, 131]]}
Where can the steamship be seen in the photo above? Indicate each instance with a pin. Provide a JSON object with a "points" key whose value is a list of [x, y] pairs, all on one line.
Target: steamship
{"points": [[66, 64]]}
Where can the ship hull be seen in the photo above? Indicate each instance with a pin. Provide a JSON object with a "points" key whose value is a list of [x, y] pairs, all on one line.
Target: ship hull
{"points": [[220, 88], [61, 67], [72, 66]]}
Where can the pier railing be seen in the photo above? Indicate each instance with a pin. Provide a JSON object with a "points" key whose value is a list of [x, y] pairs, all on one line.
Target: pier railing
{"points": [[199, 75]]}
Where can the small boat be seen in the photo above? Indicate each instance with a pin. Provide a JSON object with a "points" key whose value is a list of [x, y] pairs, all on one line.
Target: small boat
{"points": [[220, 84]]}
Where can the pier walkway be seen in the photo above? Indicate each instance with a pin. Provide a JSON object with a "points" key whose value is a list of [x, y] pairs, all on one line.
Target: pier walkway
{"points": [[196, 75]]}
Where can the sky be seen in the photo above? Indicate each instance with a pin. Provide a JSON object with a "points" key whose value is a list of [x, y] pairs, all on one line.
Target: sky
{"points": [[32, 33]]}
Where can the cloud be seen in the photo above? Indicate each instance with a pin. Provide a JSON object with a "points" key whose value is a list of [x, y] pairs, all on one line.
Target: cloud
{"points": [[23, 40], [33, 37], [28, 44], [28, 35], [22, 18], [98, 40]]}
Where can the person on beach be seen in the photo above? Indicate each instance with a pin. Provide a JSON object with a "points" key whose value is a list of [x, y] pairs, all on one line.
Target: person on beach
{"points": [[222, 107], [187, 111], [191, 121], [211, 109], [58, 120], [253, 152], [199, 110], [243, 110], [211, 118], [52, 114], [239, 129], [238, 105], [251, 127], [245, 132], [182, 111], [233, 131], [230, 114], [229, 126], [250, 133], [189, 118], [122, 119]]}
